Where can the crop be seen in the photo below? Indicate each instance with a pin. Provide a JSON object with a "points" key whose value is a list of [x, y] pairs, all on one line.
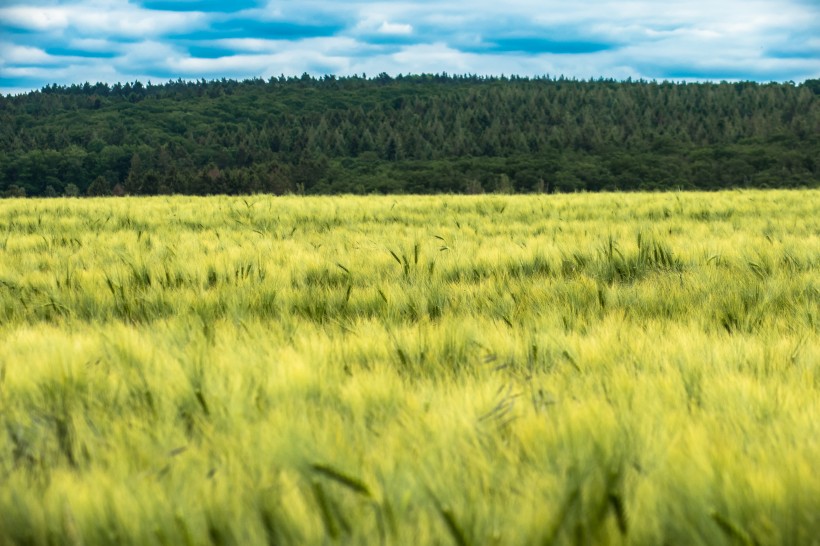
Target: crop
{"points": [[471, 370]]}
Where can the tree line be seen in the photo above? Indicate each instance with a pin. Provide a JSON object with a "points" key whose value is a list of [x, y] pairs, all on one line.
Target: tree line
{"points": [[407, 134]]}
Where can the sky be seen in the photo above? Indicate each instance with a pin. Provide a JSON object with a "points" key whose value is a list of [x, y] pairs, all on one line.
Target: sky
{"points": [[74, 41]]}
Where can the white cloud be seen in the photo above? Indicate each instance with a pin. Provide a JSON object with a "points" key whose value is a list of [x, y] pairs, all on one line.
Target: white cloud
{"points": [[414, 58], [137, 23], [398, 29], [96, 19], [378, 22], [93, 72], [250, 64], [40, 19], [15, 55]]}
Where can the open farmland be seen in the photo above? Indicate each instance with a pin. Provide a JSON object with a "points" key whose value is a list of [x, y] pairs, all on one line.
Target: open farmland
{"points": [[469, 370]]}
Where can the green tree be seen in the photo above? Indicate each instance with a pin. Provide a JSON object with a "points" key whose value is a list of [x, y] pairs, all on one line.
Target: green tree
{"points": [[99, 187]]}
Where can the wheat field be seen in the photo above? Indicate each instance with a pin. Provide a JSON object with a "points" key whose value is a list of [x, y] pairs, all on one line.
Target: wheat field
{"points": [[468, 370]]}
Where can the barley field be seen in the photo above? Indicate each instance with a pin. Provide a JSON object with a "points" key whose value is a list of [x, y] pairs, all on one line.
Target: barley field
{"points": [[467, 370]]}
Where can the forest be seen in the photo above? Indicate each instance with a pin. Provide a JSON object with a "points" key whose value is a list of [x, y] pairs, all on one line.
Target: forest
{"points": [[414, 134]]}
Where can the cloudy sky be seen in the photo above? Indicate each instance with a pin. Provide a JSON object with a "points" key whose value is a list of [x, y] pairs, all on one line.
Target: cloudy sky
{"points": [[73, 41]]}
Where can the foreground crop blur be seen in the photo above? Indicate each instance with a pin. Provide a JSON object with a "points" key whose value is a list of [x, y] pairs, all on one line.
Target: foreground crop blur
{"points": [[624, 369]]}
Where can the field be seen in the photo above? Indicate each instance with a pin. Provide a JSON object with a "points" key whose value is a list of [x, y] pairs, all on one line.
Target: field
{"points": [[468, 370]]}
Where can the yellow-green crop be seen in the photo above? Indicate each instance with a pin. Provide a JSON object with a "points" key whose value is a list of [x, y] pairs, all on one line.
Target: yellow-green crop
{"points": [[583, 369]]}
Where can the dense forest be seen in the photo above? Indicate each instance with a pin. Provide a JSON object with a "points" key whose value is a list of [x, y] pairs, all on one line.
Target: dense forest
{"points": [[407, 134]]}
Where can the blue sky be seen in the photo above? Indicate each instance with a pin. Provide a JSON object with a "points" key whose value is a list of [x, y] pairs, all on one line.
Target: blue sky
{"points": [[64, 42]]}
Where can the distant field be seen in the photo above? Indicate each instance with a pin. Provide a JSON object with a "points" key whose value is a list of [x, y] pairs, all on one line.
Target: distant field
{"points": [[472, 370]]}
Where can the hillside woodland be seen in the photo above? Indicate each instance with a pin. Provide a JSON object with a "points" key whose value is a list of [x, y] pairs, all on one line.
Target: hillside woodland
{"points": [[407, 134]]}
